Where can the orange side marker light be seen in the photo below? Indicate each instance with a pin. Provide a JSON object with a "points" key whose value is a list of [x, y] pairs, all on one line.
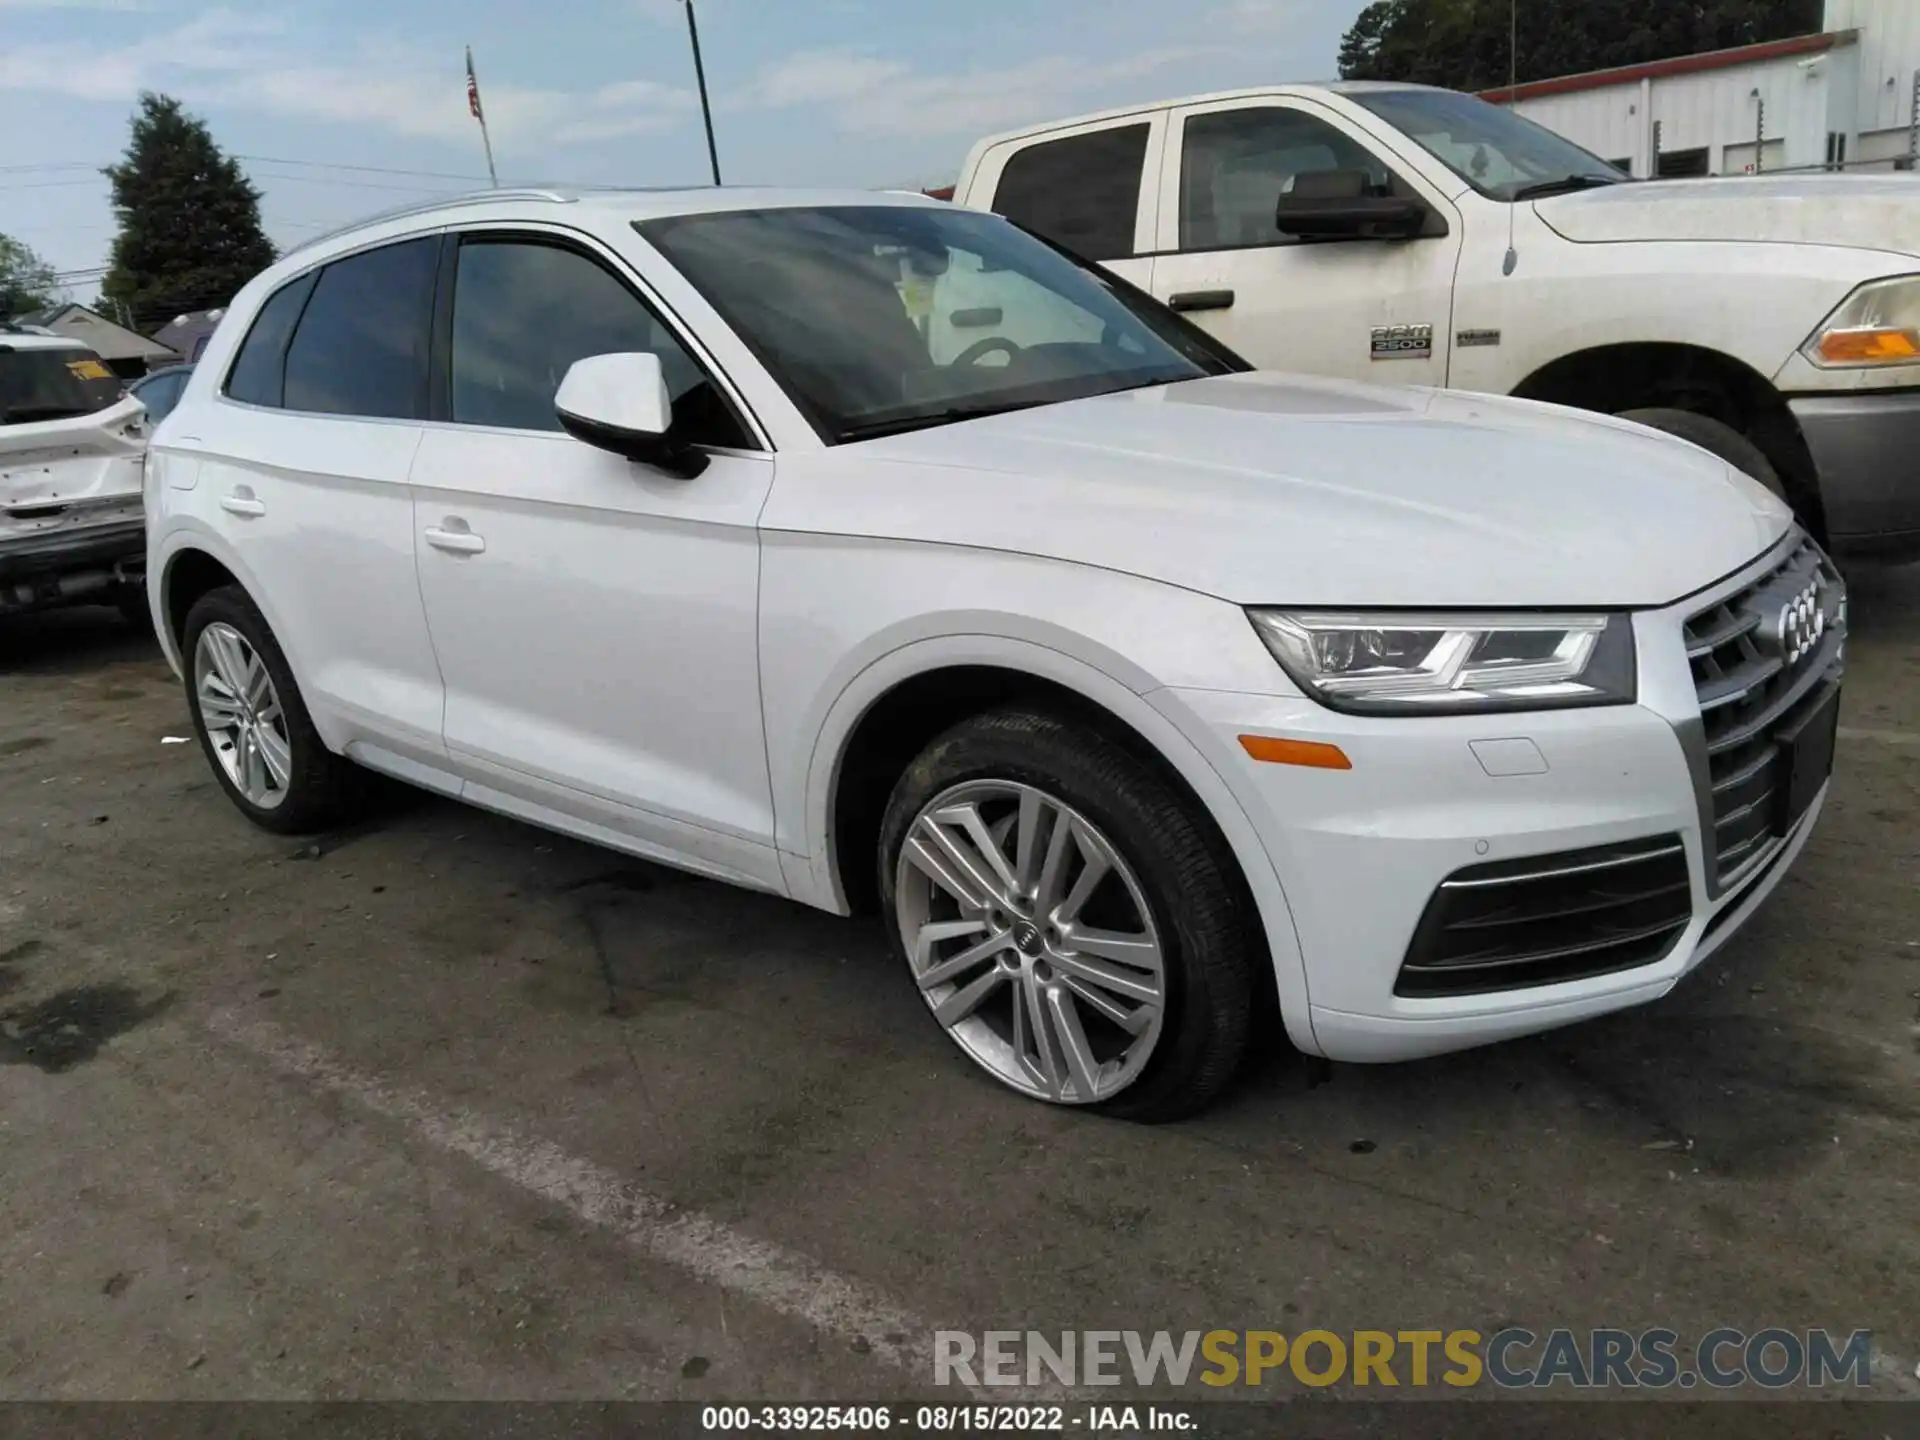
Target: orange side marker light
{"points": [[1311, 753]]}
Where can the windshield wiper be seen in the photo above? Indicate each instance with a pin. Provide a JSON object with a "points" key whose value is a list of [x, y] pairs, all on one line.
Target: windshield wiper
{"points": [[1566, 184], [900, 424]]}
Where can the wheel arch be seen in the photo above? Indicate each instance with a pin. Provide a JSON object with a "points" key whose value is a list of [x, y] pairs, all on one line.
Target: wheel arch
{"points": [[899, 702], [1640, 375], [191, 563]]}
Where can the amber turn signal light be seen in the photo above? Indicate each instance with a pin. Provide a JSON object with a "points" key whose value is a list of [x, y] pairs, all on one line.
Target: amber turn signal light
{"points": [[1311, 753], [1882, 346]]}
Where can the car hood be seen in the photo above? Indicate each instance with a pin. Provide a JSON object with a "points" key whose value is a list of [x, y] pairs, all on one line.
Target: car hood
{"points": [[1266, 489], [1865, 212], [71, 473]]}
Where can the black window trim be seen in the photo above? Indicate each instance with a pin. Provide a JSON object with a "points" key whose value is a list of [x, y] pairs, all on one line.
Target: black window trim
{"points": [[1179, 120], [440, 361]]}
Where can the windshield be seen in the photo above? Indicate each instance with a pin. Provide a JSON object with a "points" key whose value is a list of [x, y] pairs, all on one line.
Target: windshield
{"points": [[53, 384], [883, 318], [1497, 152]]}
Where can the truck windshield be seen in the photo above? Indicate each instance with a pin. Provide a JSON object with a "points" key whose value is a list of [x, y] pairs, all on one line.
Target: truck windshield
{"points": [[52, 384], [878, 319], [1498, 153]]}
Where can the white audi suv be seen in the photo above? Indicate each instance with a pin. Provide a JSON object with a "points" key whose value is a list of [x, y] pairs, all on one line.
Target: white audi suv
{"points": [[873, 552]]}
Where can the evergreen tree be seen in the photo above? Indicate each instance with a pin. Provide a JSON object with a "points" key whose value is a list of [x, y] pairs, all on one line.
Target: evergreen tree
{"points": [[190, 231], [27, 283], [1463, 44]]}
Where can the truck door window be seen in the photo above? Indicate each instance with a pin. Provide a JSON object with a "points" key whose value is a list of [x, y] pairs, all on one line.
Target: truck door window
{"points": [[1082, 192], [1236, 164]]}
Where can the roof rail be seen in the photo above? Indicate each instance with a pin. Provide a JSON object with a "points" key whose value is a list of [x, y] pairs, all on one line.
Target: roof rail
{"points": [[428, 207]]}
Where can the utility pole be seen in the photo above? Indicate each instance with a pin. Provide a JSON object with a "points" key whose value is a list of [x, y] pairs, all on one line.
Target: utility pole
{"points": [[700, 75]]}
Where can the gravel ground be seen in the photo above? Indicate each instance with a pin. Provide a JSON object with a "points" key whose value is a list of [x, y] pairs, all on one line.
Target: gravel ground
{"points": [[447, 1107]]}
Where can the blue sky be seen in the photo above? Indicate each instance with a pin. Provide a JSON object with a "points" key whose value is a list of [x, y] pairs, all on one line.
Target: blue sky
{"points": [[866, 92]]}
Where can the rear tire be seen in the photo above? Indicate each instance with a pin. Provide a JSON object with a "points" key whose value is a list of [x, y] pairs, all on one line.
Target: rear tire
{"points": [[307, 787], [1166, 1041], [1715, 437]]}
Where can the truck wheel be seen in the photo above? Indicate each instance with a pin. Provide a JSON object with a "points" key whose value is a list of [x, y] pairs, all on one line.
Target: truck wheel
{"points": [[1067, 918], [1715, 438]]}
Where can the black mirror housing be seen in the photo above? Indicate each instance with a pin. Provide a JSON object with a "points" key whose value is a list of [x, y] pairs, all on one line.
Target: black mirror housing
{"points": [[682, 461], [1340, 205]]}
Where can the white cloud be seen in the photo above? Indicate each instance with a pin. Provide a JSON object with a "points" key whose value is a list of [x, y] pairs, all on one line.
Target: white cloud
{"points": [[870, 92], [72, 4], [223, 57]]}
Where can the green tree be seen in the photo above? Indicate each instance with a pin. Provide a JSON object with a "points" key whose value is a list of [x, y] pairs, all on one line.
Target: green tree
{"points": [[190, 231], [1463, 44], [27, 282]]}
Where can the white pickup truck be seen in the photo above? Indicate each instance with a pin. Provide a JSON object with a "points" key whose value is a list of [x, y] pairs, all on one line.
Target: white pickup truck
{"points": [[1407, 234]]}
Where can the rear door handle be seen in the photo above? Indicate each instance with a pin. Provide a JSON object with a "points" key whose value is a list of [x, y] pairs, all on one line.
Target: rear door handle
{"points": [[1201, 300], [242, 505], [455, 542]]}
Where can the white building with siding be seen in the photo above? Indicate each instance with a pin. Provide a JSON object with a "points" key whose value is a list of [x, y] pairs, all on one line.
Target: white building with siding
{"points": [[1846, 96]]}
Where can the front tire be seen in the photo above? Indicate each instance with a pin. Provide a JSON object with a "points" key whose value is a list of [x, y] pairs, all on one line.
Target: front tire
{"points": [[1717, 438], [253, 725], [1070, 918]]}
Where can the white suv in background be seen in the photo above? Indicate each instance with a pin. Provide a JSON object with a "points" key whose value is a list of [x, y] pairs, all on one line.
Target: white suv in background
{"points": [[1112, 673]]}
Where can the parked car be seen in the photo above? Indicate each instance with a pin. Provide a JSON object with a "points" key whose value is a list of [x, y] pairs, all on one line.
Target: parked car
{"points": [[71, 445], [159, 390], [1370, 230], [1114, 674]]}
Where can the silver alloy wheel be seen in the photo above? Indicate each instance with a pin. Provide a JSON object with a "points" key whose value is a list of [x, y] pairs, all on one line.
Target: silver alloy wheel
{"points": [[241, 711], [1031, 941]]}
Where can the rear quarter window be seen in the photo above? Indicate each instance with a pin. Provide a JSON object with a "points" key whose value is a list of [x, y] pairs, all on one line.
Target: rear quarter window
{"points": [[1082, 192], [258, 376]]}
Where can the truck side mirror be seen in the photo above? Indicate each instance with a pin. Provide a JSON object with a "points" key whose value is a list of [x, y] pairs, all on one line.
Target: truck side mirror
{"points": [[1340, 205]]}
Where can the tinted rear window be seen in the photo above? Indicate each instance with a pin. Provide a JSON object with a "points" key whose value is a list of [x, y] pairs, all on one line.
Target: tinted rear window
{"points": [[53, 385], [1082, 192], [361, 348], [259, 373]]}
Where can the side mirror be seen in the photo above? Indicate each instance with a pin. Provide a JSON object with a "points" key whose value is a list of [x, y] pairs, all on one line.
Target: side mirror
{"points": [[1339, 205], [620, 403]]}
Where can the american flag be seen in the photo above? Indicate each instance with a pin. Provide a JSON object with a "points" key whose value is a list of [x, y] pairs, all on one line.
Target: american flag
{"points": [[473, 89]]}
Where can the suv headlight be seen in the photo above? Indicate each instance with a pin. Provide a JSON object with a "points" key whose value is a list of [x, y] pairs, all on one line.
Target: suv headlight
{"points": [[1879, 324], [1452, 664]]}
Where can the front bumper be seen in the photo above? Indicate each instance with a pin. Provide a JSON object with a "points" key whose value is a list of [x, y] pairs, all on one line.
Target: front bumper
{"points": [[1360, 853], [1866, 448]]}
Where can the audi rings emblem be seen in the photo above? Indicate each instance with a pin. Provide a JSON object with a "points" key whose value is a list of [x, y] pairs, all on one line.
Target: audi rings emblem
{"points": [[1800, 625]]}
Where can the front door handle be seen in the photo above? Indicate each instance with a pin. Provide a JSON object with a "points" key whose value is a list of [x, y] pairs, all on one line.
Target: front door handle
{"points": [[455, 542], [1201, 300], [246, 505]]}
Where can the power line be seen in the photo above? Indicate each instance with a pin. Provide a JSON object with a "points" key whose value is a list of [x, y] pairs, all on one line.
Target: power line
{"points": [[55, 184], [367, 169], [354, 184]]}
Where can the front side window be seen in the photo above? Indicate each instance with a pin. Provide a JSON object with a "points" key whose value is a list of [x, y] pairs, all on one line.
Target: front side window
{"points": [[1236, 164], [525, 310], [54, 383], [878, 319], [361, 347], [1082, 192], [1495, 151]]}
